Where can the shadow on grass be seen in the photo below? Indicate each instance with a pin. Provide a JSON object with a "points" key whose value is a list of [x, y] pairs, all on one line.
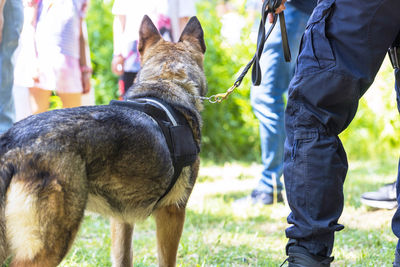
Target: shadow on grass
{"points": [[229, 255]]}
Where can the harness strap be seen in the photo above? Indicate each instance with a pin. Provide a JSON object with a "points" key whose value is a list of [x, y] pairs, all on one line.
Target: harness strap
{"points": [[175, 128], [163, 107]]}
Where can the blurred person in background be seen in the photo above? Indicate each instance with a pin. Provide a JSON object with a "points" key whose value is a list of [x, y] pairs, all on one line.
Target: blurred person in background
{"points": [[180, 11], [25, 74], [25, 58], [11, 20], [170, 17], [128, 15], [267, 99], [62, 59]]}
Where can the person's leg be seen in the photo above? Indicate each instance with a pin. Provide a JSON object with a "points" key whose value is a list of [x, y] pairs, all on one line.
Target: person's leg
{"points": [[128, 79], [332, 73], [68, 81], [396, 216], [13, 19], [39, 99], [71, 100], [267, 99]]}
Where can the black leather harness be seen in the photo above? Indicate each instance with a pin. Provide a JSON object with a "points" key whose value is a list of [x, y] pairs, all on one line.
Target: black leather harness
{"points": [[177, 132]]}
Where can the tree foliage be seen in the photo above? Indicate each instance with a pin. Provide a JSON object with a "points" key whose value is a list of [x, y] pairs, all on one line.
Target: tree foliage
{"points": [[375, 130], [230, 128], [100, 30]]}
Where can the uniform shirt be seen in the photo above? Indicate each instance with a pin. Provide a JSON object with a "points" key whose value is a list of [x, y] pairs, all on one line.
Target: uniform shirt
{"points": [[306, 6]]}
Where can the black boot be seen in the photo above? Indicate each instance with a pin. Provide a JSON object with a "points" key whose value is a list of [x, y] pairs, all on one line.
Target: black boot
{"points": [[300, 257]]}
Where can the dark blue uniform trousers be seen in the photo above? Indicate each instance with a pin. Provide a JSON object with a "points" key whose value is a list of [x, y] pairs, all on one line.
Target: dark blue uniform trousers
{"points": [[340, 53], [396, 217]]}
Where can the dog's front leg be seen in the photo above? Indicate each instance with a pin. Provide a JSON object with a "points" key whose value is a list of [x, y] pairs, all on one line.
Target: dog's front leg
{"points": [[169, 221], [121, 244]]}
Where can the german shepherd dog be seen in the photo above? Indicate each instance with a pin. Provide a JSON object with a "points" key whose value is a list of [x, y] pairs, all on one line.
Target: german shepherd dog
{"points": [[109, 159]]}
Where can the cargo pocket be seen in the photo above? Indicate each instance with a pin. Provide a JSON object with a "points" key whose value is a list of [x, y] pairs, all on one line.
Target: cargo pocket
{"points": [[297, 167], [301, 139], [315, 49]]}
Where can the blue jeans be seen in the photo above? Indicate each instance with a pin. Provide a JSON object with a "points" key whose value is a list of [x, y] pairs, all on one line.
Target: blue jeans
{"points": [[341, 51], [13, 20], [267, 99]]}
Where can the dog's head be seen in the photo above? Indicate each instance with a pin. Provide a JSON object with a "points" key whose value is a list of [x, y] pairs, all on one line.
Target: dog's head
{"points": [[180, 62]]}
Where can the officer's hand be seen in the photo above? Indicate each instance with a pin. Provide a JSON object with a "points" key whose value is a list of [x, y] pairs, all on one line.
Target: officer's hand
{"points": [[117, 65], [277, 11]]}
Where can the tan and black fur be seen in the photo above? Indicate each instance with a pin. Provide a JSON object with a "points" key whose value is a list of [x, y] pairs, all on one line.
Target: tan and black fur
{"points": [[108, 159]]}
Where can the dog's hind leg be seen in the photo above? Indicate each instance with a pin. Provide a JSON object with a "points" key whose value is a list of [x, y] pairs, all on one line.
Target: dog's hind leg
{"points": [[121, 243], [43, 213], [169, 221]]}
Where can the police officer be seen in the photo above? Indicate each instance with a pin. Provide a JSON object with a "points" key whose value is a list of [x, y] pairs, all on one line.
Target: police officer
{"points": [[341, 51]]}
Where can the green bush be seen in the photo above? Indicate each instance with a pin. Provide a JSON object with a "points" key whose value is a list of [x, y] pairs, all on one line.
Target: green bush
{"points": [[375, 130], [100, 30], [230, 130]]}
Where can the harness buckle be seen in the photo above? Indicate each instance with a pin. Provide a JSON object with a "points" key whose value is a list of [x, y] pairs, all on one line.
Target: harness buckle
{"points": [[394, 55]]}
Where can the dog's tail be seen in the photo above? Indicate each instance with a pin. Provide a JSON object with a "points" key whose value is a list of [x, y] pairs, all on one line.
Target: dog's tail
{"points": [[6, 173]]}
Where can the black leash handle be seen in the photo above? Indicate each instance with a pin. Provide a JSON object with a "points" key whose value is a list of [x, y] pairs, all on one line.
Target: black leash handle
{"points": [[261, 39], [285, 40]]}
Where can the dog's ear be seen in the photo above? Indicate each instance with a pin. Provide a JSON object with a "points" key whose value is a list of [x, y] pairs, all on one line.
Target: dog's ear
{"points": [[194, 34], [148, 34]]}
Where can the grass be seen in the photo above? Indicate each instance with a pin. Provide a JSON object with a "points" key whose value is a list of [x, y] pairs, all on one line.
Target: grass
{"points": [[219, 232]]}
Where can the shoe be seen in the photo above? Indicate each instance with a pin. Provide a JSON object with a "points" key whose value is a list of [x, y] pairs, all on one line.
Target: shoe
{"points": [[300, 257], [265, 198], [384, 198]]}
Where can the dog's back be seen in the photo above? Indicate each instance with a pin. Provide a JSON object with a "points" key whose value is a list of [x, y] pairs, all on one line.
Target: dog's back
{"points": [[115, 158]]}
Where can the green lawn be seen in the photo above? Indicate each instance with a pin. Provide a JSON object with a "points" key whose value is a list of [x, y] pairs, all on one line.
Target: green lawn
{"points": [[219, 232]]}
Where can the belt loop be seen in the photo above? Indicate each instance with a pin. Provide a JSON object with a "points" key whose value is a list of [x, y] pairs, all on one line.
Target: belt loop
{"points": [[394, 55]]}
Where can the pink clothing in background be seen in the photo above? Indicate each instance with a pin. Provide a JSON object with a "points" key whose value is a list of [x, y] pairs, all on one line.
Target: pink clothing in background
{"points": [[57, 44]]}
